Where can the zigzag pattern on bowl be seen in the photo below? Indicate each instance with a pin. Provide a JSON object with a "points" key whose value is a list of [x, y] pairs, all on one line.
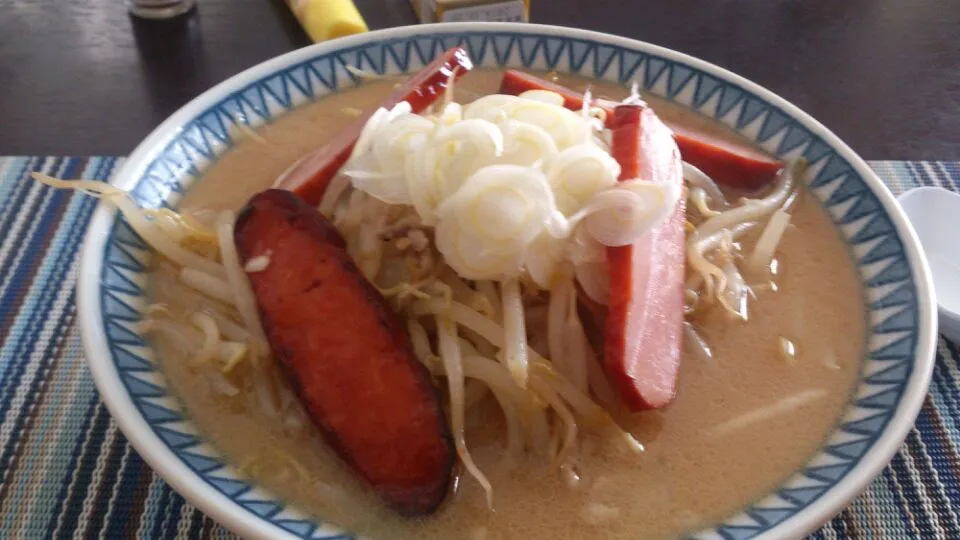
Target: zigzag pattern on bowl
{"points": [[890, 291]]}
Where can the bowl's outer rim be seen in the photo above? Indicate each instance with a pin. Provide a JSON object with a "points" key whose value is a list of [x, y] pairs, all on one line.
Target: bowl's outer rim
{"points": [[232, 515]]}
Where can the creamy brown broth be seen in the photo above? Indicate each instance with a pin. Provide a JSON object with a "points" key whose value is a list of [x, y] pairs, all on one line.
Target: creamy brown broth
{"points": [[689, 476]]}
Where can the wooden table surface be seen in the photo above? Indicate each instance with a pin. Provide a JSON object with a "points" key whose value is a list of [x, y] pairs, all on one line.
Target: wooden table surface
{"points": [[79, 77]]}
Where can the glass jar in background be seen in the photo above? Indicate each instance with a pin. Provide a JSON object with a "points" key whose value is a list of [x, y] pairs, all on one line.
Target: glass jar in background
{"points": [[159, 9]]}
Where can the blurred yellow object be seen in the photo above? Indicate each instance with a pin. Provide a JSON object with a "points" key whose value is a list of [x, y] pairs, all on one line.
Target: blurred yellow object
{"points": [[328, 19]]}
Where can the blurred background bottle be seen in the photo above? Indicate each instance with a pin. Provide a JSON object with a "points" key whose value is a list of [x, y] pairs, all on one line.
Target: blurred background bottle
{"points": [[159, 9]]}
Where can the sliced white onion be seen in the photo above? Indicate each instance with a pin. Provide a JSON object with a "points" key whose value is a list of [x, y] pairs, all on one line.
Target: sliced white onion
{"points": [[489, 222], [594, 278], [493, 108], [526, 144], [369, 131], [543, 259], [566, 127], [578, 173], [485, 135], [443, 163], [583, 248], [545, 96], [489, 177], [451, 114], [463, 148], [423, 183], [380, 171], [394, 140], [461, 252], [620, 216]]}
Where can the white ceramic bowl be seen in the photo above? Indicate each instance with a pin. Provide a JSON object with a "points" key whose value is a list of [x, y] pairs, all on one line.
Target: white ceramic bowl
{"points": [[899, 300]]}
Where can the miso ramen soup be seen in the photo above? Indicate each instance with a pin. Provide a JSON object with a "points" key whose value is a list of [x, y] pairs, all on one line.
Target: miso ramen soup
{"points": [[752, 405]]}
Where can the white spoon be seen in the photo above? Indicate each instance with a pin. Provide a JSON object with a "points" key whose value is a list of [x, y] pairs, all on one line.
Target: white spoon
{"points": [[935, 215]]}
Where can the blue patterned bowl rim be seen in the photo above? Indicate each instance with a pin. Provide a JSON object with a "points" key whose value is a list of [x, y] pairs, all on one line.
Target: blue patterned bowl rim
{"points": [[899, 293]]}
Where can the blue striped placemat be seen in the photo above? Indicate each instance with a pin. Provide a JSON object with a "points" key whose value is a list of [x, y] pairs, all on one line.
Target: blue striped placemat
{"points": [[67, 471]]}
